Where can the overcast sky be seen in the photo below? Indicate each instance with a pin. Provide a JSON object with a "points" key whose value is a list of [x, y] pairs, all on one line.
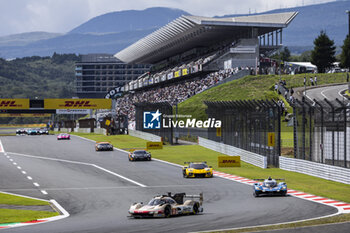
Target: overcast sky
{"points": [[17, 16]]}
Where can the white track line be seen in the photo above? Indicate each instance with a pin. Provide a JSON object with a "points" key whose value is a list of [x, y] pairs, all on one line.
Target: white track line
{"points": [[2, 149], [24, 172], [82, 163], [43, 192], [29, 178], [36, 184], [18, 167]]}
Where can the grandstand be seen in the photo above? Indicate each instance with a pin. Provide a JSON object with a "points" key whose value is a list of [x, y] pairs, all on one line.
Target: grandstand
{"points": [[193, 53]]}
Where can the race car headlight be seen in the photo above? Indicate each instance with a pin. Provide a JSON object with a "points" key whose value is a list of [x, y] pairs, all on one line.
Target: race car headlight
{"points": [[283, 187], [207, 169], [151, 212], [257, 188]]}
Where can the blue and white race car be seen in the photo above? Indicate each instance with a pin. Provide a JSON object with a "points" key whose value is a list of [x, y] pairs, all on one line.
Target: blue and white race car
{"points": [[269, 187]]}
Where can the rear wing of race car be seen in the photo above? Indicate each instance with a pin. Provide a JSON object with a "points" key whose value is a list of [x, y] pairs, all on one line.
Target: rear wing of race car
{"points": [[196, 162], [265, 179], [179, 197]]}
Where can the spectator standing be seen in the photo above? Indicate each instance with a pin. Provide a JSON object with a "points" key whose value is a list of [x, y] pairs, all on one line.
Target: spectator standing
{"points": [[311, 81], [291, 91], [315, 80], [347, 77], [305, 80], [276, 87]]}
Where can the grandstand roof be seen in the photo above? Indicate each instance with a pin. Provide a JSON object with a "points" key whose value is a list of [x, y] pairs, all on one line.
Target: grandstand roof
{"points": [[187, 32]]}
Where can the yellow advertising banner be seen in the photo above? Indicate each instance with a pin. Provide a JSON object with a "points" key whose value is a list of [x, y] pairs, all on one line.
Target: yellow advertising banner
{"points": [[77, 103], [184, 72], [14, 103], [229, 161], [25, 115], [218, 132], [177, 74], [154, 145], [271, 138]]}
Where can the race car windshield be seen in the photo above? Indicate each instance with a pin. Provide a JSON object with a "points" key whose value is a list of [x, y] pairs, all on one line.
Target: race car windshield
{"points": [[270, 183], [105, 144], [198, 166], [155, 202], [139, 152]]}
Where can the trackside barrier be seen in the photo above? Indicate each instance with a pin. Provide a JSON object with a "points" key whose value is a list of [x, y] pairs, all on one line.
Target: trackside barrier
{"points": [[82, 130], [320, 170], [145, 136], [246, 156], [100, 131], [65, 130]]}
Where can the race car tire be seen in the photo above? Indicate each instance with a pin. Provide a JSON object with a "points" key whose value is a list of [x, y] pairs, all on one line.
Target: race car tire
{"points": [[256, 194], [184, 175], [195, 208], [167, 211]]}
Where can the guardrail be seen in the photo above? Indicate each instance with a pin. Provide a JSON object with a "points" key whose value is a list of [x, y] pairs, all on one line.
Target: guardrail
{"points": [[145, 136], [246, 156], [320, 170]]}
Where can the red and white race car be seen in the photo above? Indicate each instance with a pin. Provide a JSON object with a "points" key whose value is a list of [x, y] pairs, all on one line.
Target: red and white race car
{"points": [[63, 136], [168, 205]]}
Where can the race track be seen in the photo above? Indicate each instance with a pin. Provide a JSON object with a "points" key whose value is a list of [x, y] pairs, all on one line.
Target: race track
{"points": [[97, 188], [328, 92]]}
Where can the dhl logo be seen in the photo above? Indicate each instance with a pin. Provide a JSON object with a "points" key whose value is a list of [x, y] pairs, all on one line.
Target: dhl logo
{"points": [[77, 103], [9, 103], [228, 161]]}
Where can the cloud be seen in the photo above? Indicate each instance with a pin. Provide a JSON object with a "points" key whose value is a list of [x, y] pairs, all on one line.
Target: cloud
{"points": [[17, 16]]}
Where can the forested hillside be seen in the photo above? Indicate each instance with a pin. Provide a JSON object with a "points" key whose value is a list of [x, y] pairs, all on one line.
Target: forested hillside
{"points": [[38, 77]]}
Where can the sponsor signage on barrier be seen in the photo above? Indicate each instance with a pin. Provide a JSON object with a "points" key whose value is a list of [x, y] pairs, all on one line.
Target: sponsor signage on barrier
{"points": [[229, 161], [77, 103], [115, 92], [14, 103], [25, 115], [154, 145], [184, 72], [73, 111], [271, 138], [177, 73]]}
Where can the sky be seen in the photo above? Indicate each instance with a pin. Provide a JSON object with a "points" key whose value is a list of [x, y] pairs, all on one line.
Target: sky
{"points": [[19, 16]]}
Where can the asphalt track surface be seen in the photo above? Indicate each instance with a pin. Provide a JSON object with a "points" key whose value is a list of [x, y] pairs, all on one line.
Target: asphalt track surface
{"points": [[328, 92], [98, 200]]}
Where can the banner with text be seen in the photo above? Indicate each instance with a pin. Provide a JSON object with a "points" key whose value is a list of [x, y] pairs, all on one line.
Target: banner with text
{"points": [[73, 111], [14, 103], [77, 103]]}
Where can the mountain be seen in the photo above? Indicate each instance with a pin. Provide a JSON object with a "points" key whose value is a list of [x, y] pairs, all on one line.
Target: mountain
{"points": [[108, 33], [111, 32], [26, 38], [129, 20]]}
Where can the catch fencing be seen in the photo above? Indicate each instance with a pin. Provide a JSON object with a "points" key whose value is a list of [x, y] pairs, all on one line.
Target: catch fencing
{"points": [[253, 126], [322, 131]]}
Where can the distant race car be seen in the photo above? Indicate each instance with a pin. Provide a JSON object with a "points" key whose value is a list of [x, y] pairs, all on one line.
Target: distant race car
{"points": [[21, 131], [32, 131], [140, 155], [63, 136], [197, 170], [168, 205], [99, 146], [44, 131], [269, 186]]}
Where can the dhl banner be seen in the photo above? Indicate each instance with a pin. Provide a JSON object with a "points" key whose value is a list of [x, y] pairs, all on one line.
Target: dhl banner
{"points": [[184, 72], [154, 145], [14, 103], [177, 73], [229, 161], [25, 115], [77, 103]]}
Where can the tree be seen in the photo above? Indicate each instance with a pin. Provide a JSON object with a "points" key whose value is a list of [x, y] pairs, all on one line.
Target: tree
{"points": [[283, 55], [345, 54], [323, 54]]}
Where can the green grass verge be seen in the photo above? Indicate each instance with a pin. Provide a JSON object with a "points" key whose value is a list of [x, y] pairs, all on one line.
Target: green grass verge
{"points": [[181, 154], [15, 216], [250, 87], [330, 220], [16, 200]]}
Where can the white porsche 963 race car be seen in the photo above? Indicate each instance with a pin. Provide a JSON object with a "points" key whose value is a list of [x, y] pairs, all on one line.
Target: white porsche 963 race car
{"points": [[168, 205]]}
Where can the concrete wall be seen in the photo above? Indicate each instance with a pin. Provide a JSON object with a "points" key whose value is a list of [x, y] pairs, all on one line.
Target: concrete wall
{"points": [[145, 136], [246, 156], [324, 171]]}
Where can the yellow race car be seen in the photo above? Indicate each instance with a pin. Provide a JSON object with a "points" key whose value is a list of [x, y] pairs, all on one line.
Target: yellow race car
{"points": [[197, 170]]}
